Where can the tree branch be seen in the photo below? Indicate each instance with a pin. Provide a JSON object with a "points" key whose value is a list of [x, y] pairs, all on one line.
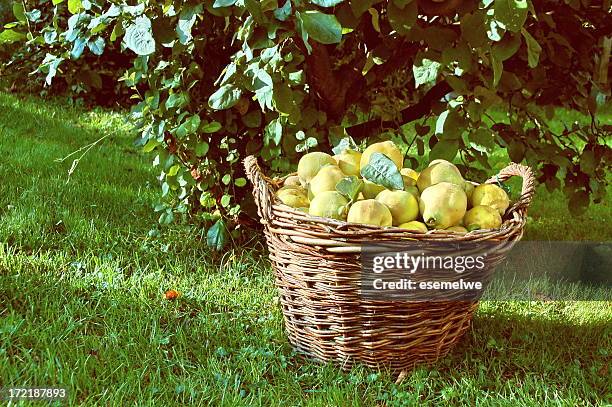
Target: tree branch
{"points": [[328, 86], [409, 114]]}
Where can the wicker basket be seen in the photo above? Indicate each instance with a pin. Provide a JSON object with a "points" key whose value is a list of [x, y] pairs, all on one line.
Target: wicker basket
{"points": [[317, 269]]}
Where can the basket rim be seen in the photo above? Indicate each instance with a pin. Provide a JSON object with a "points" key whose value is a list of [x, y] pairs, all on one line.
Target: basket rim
{"points": [[280, 217]]}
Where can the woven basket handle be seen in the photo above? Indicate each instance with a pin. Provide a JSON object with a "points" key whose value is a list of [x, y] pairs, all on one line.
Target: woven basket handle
{"points": [[528, 189], [261, 189]]}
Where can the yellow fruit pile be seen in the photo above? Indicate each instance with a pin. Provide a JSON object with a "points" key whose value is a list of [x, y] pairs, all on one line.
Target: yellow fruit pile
{"points": [[436, 198]]}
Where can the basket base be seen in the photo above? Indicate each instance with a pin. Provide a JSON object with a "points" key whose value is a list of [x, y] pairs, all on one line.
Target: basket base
{"points": [[421, 334]]}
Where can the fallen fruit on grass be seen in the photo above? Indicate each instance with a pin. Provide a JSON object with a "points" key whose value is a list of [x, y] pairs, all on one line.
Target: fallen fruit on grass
{"points": [[403, 206], [370, 212], [387, 148], [329, 204], [443, 171], [491, 195], [171, 295], [414, 225], [482, 217], [310, 164], [443, 205]]}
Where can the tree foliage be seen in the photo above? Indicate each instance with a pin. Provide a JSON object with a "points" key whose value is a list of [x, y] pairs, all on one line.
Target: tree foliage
{"points": [[215, 80]]}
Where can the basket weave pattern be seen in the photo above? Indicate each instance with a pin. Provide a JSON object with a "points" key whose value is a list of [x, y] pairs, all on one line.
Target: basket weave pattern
{"points": [[318, 274]]}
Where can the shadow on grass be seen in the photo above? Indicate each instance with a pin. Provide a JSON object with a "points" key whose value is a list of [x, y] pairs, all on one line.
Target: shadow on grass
{"points": [[106, 196], [541, 345]]}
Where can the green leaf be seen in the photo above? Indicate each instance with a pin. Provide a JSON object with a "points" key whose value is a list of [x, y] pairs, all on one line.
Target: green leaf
{"points": [[440, 122], [498, 69], [283, 99], [360, 6], [240, 182], [311, 142], [299, 27], [227, 178], [506, 47], [444, 149], [283, 13], [474, 29], [516, 151], [189, 126], [460, 53], [252, 119], [212, 127], [344, 144], [482, 137], [186, 21], [401, 3], [139, 36], [201, 149], [296, 78], [323, 28], [164, 30], [10, 36], [533, 49], [273, 132], [381, 170], [216, 237], [326, 3], [587, 162], [223, 3], [50, 65], [177, 100], [225, 200], [493, 30], [150, 146], [167, 217], [78, 47], [117, 31], [97, 46], [174, 170], [255, 8], [402, 19], [33, 15], [19, 12], [511, 13], [225, 97], [458, 84], [75, 6], [425, 73], [50, 36], [350, 187], [454, 125]]}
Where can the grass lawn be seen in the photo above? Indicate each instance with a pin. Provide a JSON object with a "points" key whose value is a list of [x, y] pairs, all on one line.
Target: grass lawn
{"points": [[82, 305]]}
